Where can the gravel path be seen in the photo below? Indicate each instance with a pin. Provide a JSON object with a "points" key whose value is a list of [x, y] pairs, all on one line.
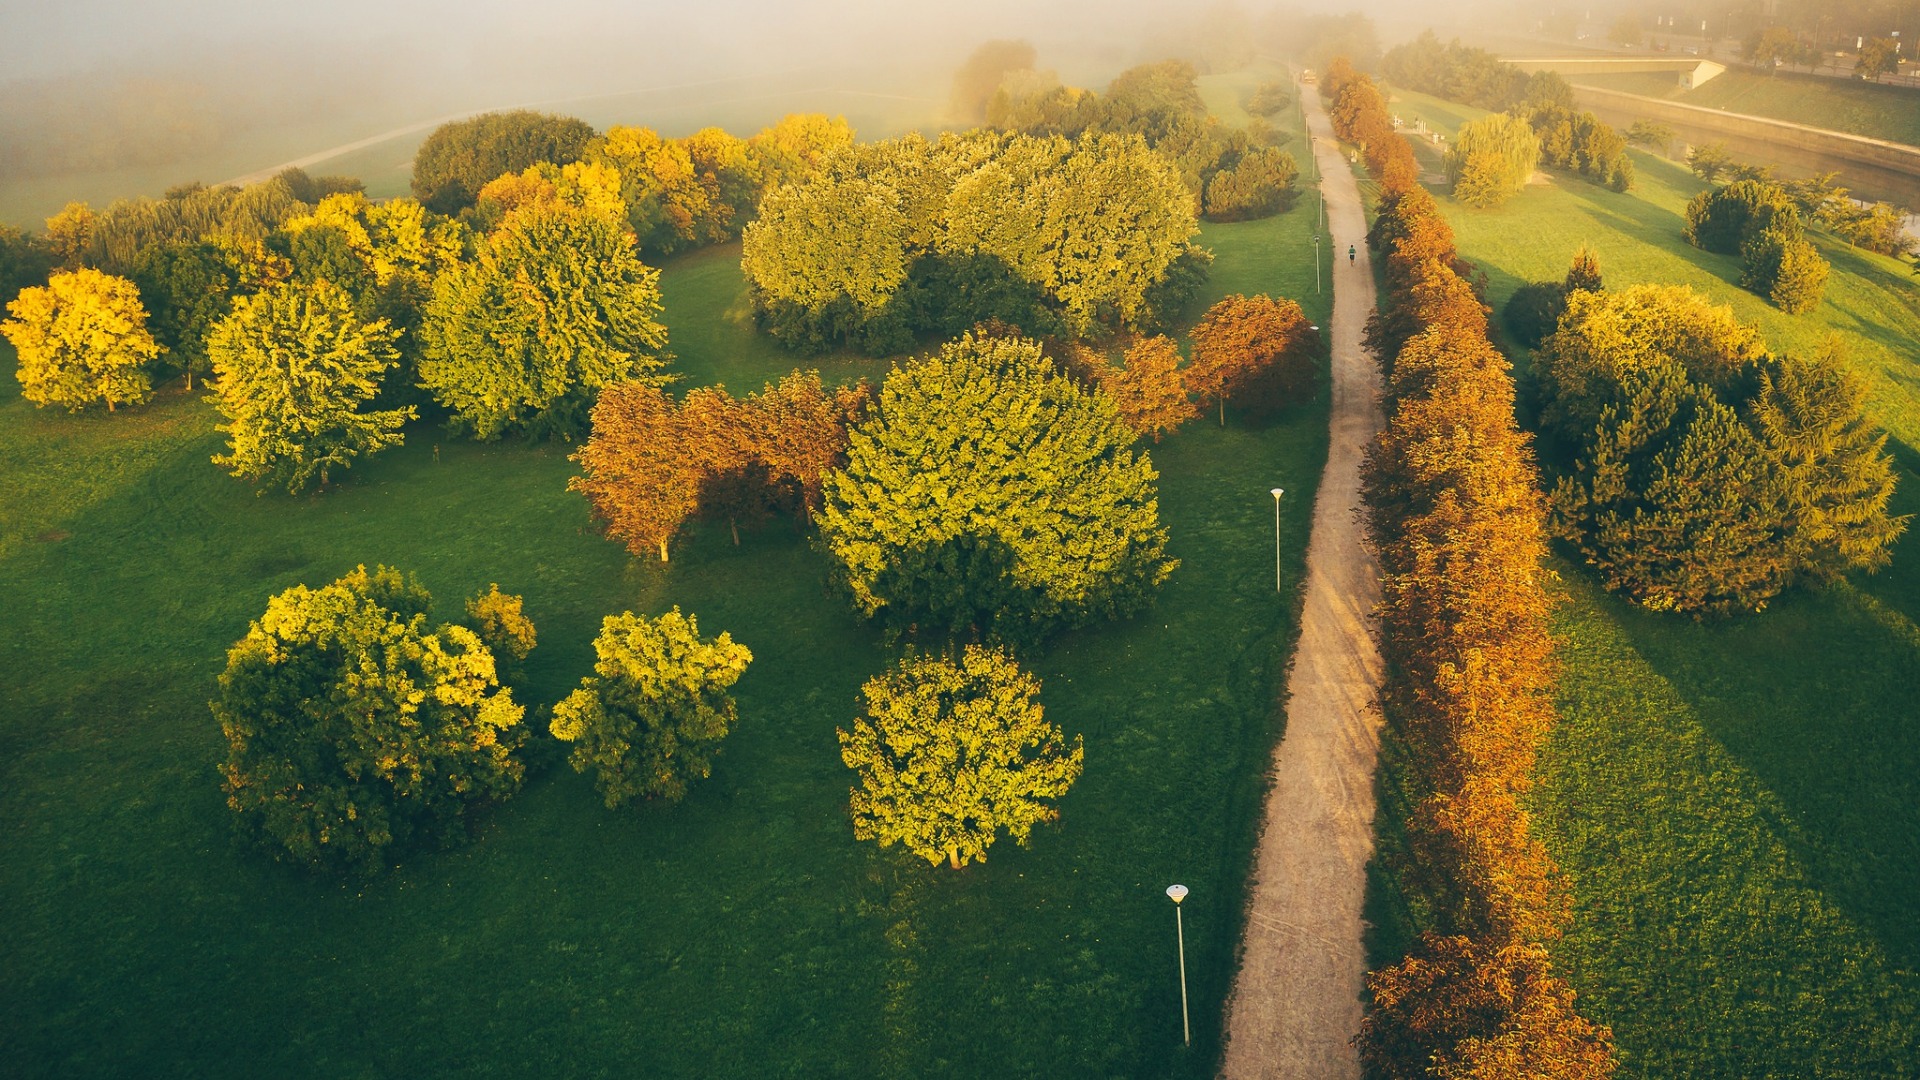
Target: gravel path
{"points": [[1296, 999]]}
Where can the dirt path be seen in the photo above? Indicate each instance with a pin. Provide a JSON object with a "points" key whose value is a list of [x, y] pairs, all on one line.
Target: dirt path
{"points": [[1296, 999]]}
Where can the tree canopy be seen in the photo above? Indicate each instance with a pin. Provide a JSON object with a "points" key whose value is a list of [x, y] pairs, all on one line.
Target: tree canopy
{"points": [[950, 752], [295, 366], [1491, 159], [82, 340], [355, 730], [555, 305], [650, 720], [459, 157], [987, 493], [1259, 351]]}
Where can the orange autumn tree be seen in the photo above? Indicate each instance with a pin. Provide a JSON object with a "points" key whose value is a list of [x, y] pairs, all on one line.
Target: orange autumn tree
{"points": [[1150, 389], [651, 462], [1256, 349]]}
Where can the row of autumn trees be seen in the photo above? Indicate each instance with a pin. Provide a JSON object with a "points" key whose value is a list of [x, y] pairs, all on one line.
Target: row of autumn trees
{"points": [[1457, 517]]}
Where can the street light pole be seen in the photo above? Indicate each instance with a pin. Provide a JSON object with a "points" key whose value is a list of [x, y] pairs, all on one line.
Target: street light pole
{"points": [[1316, 262], [1277, 492], [1179, 893]]}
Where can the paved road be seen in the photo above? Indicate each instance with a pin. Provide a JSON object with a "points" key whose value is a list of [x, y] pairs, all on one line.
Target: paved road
{"points": [[1296, 999]]}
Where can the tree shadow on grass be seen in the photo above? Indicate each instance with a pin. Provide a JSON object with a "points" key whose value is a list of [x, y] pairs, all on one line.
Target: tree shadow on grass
{"points": [[1814, 697]]}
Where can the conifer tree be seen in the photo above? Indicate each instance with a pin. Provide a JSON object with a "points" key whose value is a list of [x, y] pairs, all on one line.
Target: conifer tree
{"points": [[1835, 475], [951, 752]]}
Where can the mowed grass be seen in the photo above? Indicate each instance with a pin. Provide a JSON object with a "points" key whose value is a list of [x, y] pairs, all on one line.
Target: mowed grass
{"points": [[743, 932], [1871, 109], [1735, 803]]}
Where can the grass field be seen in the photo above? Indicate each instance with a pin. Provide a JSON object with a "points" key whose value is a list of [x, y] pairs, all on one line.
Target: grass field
{"points": [[1735, 804], [1870, 109], [742, 933]]}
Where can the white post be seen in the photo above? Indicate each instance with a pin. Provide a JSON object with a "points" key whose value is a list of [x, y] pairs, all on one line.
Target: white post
{"points": [[1316, 262], [1277, 492], [1179, 893]]}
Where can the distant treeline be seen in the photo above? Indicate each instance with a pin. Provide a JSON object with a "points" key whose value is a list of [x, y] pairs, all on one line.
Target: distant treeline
{"points": [[1570, 139]]}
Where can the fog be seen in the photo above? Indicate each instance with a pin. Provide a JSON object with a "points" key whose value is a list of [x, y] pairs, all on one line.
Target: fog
{"points": [[111, 98]]}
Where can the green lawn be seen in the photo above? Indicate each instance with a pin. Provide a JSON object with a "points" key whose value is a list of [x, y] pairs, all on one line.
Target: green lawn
{"points": [[741, 933], [1871, 109], [1736, 804]]}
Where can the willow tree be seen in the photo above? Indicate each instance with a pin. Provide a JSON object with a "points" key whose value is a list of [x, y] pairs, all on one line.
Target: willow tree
{"points": [[1491, 159]]}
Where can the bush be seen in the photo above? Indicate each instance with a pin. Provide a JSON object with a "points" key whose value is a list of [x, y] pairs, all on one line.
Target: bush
{"points": [[1534, 311], [1722, 220], [458, 158]]}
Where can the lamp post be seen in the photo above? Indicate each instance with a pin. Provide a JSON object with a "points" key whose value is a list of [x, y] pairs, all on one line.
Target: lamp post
{"points": [[1277, 492], [1179, 893], [1316, 262]]}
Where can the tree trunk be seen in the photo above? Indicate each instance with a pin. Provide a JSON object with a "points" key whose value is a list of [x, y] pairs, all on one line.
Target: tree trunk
{"points": [[953, 857], [735, 526], [663, 551], [1223, 410]]}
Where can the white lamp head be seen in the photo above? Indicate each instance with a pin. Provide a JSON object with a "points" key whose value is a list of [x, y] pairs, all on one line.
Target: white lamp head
{"points": [[1177, 892], [1277, 492]]}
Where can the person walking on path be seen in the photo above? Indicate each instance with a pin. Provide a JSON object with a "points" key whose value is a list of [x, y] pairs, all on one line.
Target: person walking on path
{"points": [[1296, 1000]]}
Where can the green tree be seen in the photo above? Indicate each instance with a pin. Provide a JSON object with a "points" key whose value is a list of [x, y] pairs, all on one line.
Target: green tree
{"points": [[81, 338], [1835, 474], [1491, 159], [1878, 56], [1650, 133], [949, 754], [189, 287], [459, 157], [1709, 160], [1794, 273], [555, 306], [1675, 502], [295, 366], [981, 75], [1626, 31], [1259, 184], [984, 492], [651, 718], [1584, 275], [354, 730], [1723, 220]]}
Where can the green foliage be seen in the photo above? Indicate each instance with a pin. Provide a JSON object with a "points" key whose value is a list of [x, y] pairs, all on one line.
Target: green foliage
{"points": [[1673, 502], [1798, 273], [555, 305], [294, 366], [987, 494], [1878, 56], [354, 731], [246, 215], [1491, 159], [651, 719], [1835, 475], [1709, 160], [188, 286], [950, 753], [1533, 311], [459, 157], [82, 339], [1259, 184], [1722, 220], [22, 263], [1269, 98], [1092, 227]]}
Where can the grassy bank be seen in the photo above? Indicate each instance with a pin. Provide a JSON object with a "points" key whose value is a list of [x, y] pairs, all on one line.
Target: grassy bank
{"points": [[1735, 804], [1871, 109]]}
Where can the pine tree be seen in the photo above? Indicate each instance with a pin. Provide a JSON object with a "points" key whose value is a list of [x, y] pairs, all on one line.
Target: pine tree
{"points": [[1835, 475], [951, 753], [1584, 274]]}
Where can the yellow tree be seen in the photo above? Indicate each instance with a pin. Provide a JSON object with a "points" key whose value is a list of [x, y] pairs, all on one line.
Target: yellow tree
{"points": [[82, 338], [950, 753], [70, 233]]}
